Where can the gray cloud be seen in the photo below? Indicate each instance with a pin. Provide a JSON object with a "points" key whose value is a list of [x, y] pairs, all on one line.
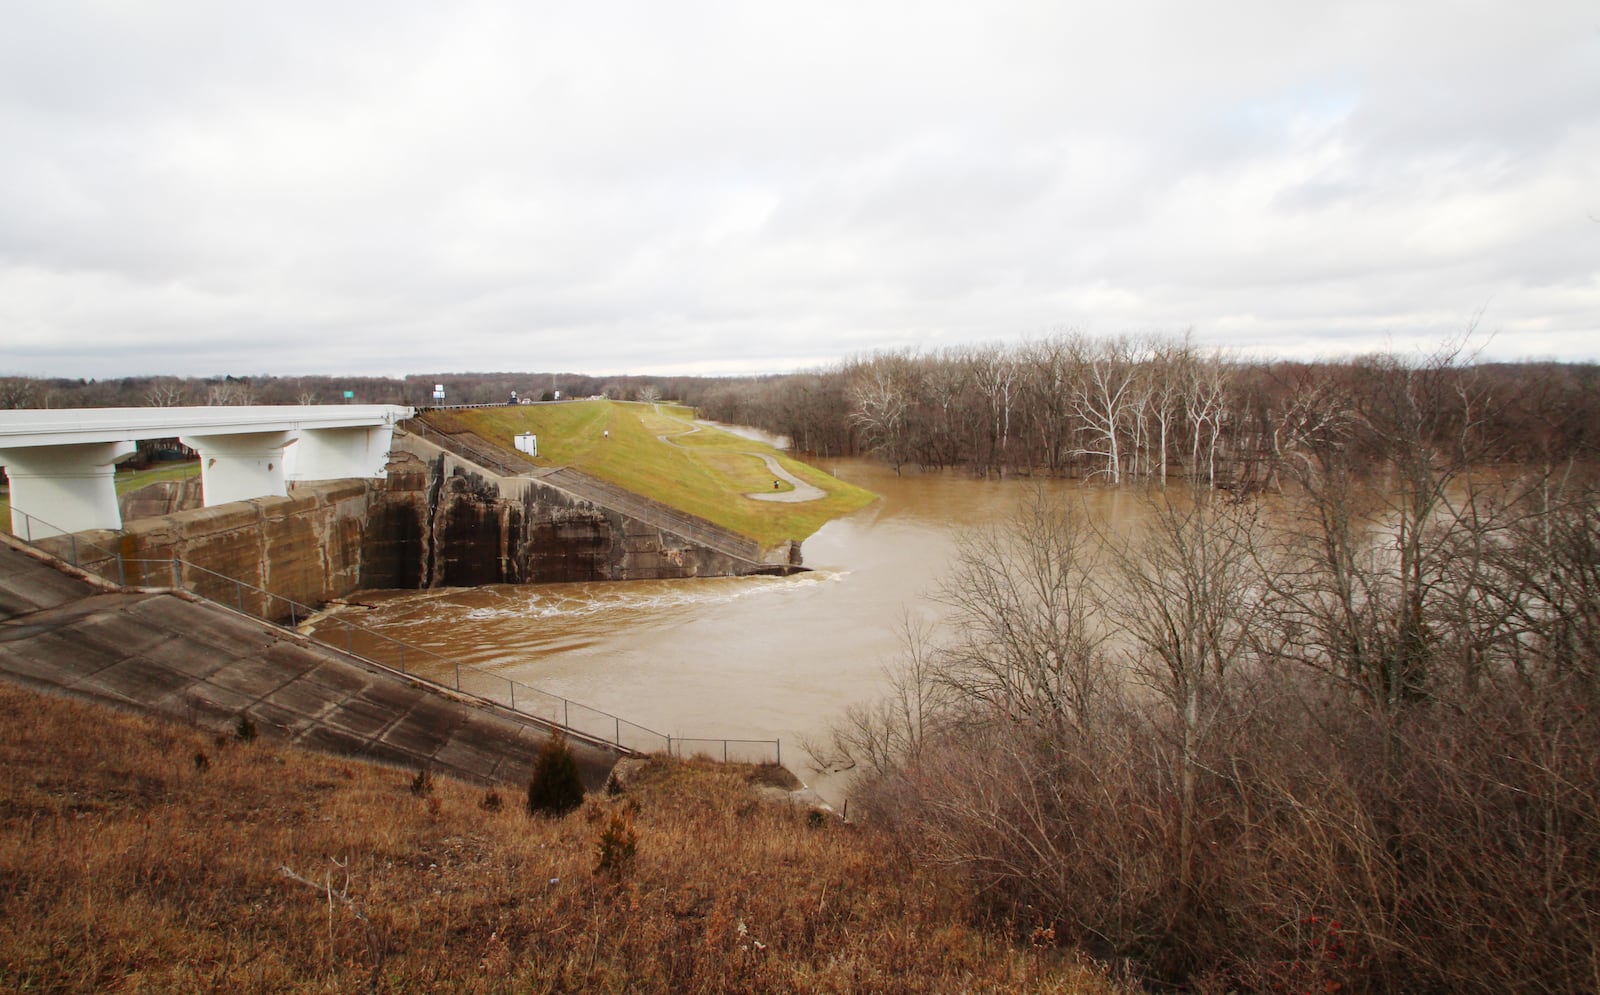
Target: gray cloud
{"points": [[387, 188]]}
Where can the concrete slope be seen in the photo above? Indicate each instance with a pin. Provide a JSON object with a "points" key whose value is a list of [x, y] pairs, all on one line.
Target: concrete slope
{"points": [[170, 655]]}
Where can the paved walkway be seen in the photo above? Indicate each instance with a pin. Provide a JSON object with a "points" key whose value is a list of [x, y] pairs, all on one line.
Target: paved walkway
{"points": [[802, 490], [167, 654], [801, 493]]}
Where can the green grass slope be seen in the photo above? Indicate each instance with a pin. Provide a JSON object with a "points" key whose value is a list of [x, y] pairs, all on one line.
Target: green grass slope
{"points": [[658, 451]]}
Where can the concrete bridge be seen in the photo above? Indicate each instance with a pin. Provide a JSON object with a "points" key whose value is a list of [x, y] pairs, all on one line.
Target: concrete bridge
{"points": [[62, 462]]}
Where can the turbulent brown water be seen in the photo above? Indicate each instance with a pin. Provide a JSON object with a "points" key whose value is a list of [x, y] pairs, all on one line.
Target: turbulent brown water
{"points": [[754, 657]]}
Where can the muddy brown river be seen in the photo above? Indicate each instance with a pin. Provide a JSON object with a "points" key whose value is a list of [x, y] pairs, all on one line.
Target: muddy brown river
{"points": [[753, 657]]}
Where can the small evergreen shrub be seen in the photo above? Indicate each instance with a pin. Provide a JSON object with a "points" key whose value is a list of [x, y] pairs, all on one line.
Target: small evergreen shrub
{"points": [[244, 730], [555, 788]]}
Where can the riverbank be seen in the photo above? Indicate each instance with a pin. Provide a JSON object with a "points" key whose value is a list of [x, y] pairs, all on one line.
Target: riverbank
{"points": [[139, 854]]}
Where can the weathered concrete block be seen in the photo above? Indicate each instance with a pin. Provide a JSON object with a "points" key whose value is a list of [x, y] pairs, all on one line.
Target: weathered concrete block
{"points": [[294, 560], [223, 518], [299, 503], [334, 491]]}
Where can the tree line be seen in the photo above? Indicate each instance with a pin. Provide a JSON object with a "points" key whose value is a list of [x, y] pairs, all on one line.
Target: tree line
{"points": [[1137, 409], [1123, 409], [415, 389]]}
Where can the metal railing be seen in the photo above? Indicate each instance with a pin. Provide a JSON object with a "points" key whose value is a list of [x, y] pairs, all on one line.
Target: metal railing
{"points": [[752, 751], [374, 647], [470, 446]]}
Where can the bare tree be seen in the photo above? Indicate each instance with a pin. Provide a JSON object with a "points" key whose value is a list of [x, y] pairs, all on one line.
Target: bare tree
{"points": [[1184, 594], [946, 382], [1547, 568], [882, 392], [230, 392], [995, 377], [878, 738], [165, 392], [1026, 644], [1103, 399], [1205, 405], [1045, 378], [1366, 553], [18, 392], [1169, 378]]}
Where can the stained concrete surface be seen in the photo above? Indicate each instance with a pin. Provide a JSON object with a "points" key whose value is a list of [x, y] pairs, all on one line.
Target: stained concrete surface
{"points": [[167, 654]]}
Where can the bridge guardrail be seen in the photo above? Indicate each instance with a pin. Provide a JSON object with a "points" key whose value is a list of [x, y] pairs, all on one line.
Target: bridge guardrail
{"points": [[543, 706]]}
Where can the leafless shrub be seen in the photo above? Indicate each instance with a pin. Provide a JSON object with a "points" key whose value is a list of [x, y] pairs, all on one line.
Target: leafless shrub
{"points": [[1384, 780], [875, 738]]}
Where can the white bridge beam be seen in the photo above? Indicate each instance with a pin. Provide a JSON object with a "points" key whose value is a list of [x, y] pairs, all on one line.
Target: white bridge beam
{"points": [[62, 463], [69, 488], [335, 453]]}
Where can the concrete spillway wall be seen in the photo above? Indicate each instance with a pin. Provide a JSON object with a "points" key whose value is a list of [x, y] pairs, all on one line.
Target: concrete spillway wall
{"points": [[438, 520], [445, 521], [307, 548]]}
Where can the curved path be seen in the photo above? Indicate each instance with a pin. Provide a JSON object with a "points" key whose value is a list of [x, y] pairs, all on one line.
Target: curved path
{"points": [[802, 491]]}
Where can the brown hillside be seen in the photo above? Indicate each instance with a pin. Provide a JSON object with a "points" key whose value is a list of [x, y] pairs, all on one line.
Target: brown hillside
{"points": [[142, 856]]}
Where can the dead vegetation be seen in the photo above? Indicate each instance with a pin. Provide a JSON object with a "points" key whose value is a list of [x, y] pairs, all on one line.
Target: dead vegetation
{"points": [[1349, 745], [139, 856]]}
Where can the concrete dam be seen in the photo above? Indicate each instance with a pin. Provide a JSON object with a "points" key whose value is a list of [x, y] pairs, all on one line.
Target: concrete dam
{"points": [[447, 512], [450, 512]]}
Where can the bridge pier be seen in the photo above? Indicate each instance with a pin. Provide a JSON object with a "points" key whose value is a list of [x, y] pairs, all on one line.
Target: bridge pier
{"points": [[240, 466], [73, 486]]}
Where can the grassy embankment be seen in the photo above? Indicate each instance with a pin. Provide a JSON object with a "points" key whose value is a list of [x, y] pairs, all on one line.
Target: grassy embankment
{"points": [[142, 856], [705, 472]]}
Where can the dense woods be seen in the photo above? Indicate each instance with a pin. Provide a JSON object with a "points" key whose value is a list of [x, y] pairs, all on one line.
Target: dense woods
{"points": [[1147, 409]]}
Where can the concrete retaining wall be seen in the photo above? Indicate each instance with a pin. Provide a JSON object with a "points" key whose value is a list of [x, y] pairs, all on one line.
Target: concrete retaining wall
{"points": [[306, 547]]}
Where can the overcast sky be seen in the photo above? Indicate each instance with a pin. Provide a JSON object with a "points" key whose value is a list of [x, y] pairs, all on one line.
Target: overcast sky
{"points": [[199, 187]]}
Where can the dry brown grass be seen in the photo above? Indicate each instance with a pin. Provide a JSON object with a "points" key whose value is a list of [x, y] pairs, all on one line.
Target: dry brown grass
{"points": [[128, 864]]}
